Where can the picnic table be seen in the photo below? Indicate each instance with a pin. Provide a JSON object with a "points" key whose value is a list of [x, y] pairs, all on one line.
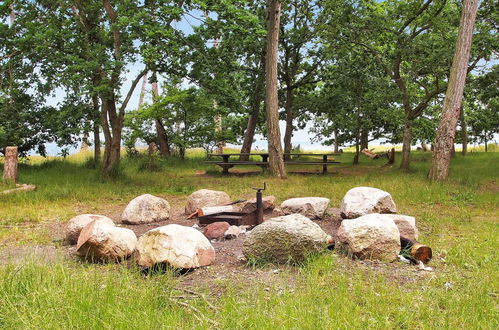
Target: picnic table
{"points": [[227, 163]]}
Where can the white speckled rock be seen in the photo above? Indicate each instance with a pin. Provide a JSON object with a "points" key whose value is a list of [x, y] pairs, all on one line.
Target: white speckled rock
{"points": [[99, 241], [76, 224], [205, 197], [310, 207], [146, 209], [406, 225], [360, 201], [178, 246], [289, 238], [372, 236]]}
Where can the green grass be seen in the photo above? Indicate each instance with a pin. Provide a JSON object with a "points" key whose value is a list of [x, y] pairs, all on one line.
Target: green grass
{"points": [[458, 219]]}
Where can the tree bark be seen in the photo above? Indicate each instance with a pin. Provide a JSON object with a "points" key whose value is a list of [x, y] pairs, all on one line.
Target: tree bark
{"points": [[364, 139], [288, 134], [256, 100], [450, 113], [276, 162], [97, 144], [464, 132], [112, 132], [336, 142], [406, 145], [164, 147], [142, 92], [10, 164]]}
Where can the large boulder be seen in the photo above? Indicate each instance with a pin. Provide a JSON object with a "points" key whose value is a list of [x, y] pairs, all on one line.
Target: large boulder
{"points": [[360, 201], [289, 238], [178, 246], [372, 236], [99, 241], [146, 209], [205, 197], [267, 201], [216, 230], [76, 224], [406, 225], [310, 207]]}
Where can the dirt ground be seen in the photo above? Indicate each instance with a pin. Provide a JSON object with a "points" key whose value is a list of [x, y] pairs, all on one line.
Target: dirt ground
{"points": [[229, 265]]}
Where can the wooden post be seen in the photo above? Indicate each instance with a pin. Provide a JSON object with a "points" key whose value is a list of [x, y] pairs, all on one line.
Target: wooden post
{"points": [[10, 164], [391, 156]]}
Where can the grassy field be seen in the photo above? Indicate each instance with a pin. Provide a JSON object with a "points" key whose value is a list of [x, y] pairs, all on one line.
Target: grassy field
{"points": [[458, 219]]}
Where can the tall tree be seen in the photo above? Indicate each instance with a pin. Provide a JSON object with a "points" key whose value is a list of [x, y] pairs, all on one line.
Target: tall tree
{"points": [[301, 56], [452, 105], [276, 162]]}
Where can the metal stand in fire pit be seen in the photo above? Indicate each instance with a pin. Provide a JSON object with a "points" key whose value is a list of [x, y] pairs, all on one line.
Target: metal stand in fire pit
{"points": [[239, 218]]}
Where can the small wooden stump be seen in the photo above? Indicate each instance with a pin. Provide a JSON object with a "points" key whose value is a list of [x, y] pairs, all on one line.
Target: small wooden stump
{"points": [[10, 164]]}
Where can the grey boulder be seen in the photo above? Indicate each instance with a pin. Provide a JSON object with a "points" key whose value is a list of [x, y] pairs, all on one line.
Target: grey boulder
{"points": [[285, 239]]}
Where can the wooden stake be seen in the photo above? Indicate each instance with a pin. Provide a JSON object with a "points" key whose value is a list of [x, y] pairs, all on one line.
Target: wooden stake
{"points": [[10, 164]]}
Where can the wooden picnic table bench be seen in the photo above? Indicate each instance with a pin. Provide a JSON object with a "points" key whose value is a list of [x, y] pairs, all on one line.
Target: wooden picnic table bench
{"points": [[226, 163]]}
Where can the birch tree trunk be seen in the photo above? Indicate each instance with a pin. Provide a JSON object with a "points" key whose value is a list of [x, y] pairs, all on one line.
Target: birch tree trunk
{"points": [[276, 162], [450, 113], [10, 164]]}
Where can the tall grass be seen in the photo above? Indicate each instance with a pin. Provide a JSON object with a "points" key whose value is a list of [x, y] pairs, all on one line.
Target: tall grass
{"points": [[458, 219]]}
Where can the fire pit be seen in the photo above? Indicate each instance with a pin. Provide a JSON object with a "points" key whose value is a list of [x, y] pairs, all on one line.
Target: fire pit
{"points": [[239, 218]]}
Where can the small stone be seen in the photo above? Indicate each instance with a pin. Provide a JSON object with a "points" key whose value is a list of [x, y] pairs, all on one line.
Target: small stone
{"points": [[233, 232], [216, 230]]}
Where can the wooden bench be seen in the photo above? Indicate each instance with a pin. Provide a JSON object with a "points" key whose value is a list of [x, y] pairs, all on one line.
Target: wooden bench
{"points": [[226, 164]]}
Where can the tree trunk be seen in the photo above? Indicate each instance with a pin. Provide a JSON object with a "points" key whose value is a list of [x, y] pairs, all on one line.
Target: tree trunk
{"points": [[486, 142], [406, 145], [218, 129], [364, 139], [424, 146], [142, 92], [336, 142], [288, 107], [10, 164], [256, 100], [164, 148], [112, 133], [276, 162], [464, 132], [97, 145], [450, 113]]}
